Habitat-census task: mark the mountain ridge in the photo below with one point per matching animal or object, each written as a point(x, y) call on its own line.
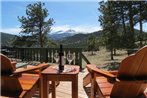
point(6, 38)
point(78, 40)
point(58, 35)
point(68, 39)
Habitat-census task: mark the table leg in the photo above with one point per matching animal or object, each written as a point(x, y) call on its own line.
point(44, 86)
point(75, 87)
point(53, 89)
point(92, 89)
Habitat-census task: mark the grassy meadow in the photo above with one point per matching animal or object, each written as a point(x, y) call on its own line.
point(102, 57)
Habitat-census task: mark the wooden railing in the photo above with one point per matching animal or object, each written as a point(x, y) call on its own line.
point(131, 51)
point(45, 54)
point(85, 59)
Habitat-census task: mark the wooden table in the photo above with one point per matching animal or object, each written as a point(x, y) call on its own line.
point(52, 74)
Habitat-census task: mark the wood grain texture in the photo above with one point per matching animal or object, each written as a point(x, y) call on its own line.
point(130, 80)
point(52, 74)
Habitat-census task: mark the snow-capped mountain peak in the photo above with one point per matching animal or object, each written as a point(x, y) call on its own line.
point(62, 34)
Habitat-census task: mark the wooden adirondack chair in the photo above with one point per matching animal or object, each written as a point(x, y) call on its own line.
point(15, 83)
point(130, 81)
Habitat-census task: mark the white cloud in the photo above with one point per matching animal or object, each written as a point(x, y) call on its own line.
point(14, 31)
point(80, 28)
point(87, 28)
point(61, 27)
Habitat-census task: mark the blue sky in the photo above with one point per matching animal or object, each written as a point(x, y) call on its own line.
point(80, 15)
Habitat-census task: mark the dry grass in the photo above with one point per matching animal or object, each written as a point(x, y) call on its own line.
point(102, 57)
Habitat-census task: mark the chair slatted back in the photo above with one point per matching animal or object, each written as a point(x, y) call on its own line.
point(6, 67)
point(128, 89)
point(134, 66)
point(10, 85)
point(142, 70)
point(134, 69)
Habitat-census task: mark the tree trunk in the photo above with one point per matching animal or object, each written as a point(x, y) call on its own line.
point(114, 50)
point(41, 41)
point(40, 36)
point(112, 54)
point(124, 38)
point(140, 22)
point(123, 19)
point(92, 53)
point(131, 37)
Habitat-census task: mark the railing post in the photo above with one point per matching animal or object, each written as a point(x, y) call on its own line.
point(41, 54)
point(80, 58)
point(46, 55)
point(85, 59)
point(49, 52)
point(21, 54)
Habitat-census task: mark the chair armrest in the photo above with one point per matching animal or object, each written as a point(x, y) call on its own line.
point(106, 74)
point(23, 94)
point(113, 72)
point(13, 63)
point(86, 80)
point(40, 67)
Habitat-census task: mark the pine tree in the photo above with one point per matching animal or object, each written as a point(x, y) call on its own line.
point(92, 44)
point(108, 21)
point(141, 7)
point(34, 25)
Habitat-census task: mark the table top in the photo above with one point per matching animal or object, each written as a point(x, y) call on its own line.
point(68, 69)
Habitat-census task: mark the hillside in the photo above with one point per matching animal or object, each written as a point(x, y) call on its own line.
point(78, 40)
point(6, 39)
point(69, 38)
